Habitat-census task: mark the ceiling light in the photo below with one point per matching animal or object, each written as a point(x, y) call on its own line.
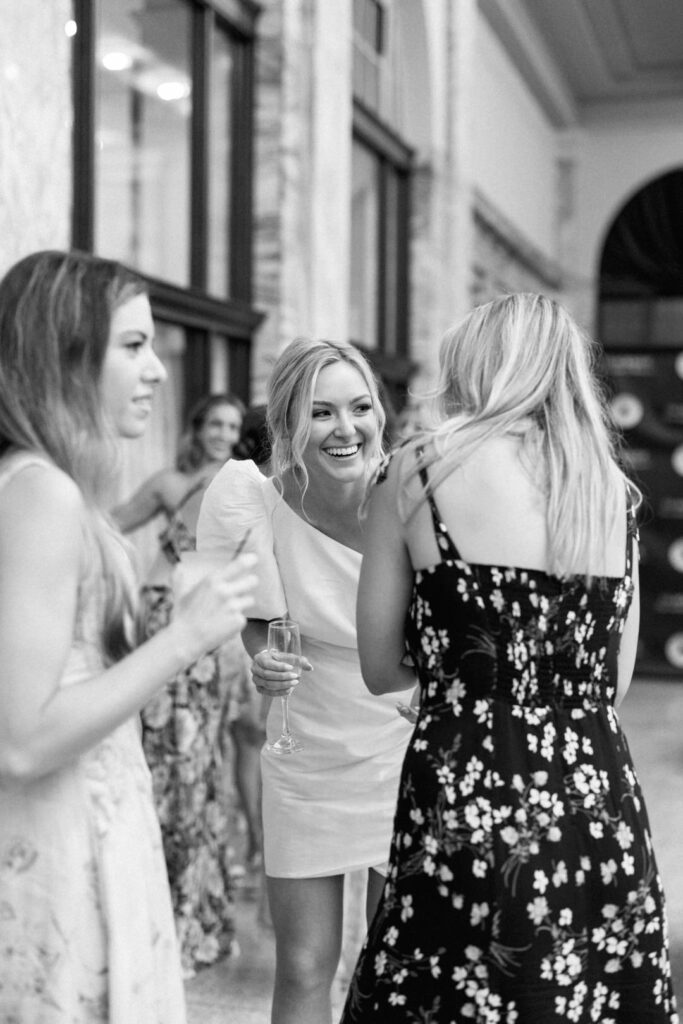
point(117, 61)
point(173, 91)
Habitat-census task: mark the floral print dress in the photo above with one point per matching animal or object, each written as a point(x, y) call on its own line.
point(523, 885)
point(86, 926)
point(184, 733)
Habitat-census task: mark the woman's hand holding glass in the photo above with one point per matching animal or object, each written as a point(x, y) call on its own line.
point(277, 670)
point(273, 675)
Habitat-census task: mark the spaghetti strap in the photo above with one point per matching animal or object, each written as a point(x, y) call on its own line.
point(176, 537)
point(445, 543)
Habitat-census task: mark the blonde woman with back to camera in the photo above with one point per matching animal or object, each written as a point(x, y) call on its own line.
point(502, 546)
point(327, 808)
point(86, 927)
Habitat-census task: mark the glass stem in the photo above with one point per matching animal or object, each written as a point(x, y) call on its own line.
point(285, 716)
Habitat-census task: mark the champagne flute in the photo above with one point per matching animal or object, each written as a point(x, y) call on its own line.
point(284, 639)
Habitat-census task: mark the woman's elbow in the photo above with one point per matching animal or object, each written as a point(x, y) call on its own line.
point(375, 688)
point(16, 765)
point(377, 681)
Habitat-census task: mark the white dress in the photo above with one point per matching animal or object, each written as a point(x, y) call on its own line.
point(329, 808)
point(86, 926)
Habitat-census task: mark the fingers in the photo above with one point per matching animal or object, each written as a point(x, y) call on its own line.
point(239, 602)
point(240, 584)
point(235, 623)
point(271, 665)
point(273, 691)
point(410, 713)
point(273, 675)
point(238, 566)
point(234, 584)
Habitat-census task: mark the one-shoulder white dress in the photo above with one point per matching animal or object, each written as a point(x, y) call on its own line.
point(329, 808)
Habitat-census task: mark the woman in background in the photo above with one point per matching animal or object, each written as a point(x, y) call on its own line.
point(502, 546)
point(86, 924)
point(185, 727)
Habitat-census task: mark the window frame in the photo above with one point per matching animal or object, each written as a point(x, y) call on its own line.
point(394, 157)
point(192, 307)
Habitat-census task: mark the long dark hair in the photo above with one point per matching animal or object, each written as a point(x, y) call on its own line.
point(55, 321)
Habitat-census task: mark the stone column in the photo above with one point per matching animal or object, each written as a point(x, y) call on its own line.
point(303, 172)
point(442, 199)
point(328, 205)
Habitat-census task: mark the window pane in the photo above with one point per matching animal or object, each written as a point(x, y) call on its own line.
point(364, 246)
point(220, 165)
point(142, 115)
point(230, 365)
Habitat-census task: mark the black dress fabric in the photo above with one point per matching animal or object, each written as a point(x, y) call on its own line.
point(522, 887)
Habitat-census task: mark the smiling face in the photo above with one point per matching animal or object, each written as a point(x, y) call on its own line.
point(131, 369)
point(344, 428)
point(220, 432)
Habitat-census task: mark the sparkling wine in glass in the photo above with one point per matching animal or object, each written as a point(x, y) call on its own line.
point(284, 639)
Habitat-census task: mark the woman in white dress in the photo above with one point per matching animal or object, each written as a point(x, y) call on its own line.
point(328, 808)
point(86, 927)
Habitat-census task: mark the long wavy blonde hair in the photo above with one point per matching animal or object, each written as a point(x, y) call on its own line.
point(521, 364)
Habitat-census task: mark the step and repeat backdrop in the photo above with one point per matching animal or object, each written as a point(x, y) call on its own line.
point(646, 389)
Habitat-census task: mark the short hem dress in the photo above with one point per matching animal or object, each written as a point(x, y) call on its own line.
point(328, 809)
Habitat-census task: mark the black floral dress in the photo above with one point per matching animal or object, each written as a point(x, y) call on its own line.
point(522, 884)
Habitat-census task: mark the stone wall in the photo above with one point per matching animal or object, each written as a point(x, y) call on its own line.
point(35, 128)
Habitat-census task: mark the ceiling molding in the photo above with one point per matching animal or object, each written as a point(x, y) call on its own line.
point(613, 51)
point(520, 37)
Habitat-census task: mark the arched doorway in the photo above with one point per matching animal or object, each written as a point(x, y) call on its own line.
point(641, 329)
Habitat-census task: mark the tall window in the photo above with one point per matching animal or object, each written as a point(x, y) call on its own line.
point(380, 191)
point(369, 45)
point(162, 154)
point(379, 223)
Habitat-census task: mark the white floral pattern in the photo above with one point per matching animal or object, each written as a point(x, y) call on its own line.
point(86, 925)
point(522, 884)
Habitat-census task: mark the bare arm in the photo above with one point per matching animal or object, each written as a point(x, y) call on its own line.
point(629, 638)
point(384, 593)
point(42, 725)
point(149, 499)
point(255, 636)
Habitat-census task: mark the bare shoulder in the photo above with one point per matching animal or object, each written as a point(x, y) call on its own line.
point(41, 509)
point(41, 487)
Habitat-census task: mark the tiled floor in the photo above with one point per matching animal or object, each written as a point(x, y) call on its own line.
point(238, 990)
